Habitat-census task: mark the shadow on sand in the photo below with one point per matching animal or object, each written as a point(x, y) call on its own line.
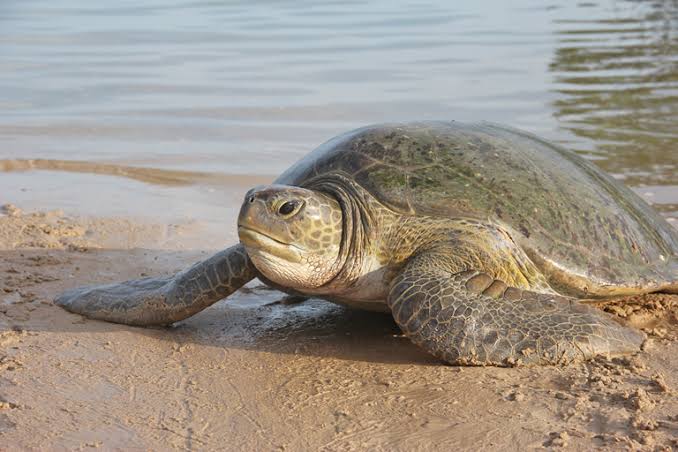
point(252, 319)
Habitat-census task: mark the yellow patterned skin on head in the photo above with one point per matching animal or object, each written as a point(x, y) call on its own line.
point(293, 235)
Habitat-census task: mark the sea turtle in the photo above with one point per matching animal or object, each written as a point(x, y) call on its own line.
point(480, 239)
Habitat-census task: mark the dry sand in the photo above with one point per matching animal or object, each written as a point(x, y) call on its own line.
point(257, 373)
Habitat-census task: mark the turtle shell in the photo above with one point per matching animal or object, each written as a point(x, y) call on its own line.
point(564, 211)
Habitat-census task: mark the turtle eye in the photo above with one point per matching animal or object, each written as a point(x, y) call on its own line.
point(288, 207)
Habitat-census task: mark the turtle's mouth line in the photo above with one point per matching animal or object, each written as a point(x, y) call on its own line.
point(265, 243)
point(251, 232)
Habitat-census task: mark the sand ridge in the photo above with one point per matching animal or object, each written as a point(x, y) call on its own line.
point(255, 373)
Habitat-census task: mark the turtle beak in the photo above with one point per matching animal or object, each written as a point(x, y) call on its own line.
point(254, 239)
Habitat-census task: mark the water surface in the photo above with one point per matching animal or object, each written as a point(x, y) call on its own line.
point(229, 93)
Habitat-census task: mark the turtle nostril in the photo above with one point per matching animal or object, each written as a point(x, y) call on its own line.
point(251, 199)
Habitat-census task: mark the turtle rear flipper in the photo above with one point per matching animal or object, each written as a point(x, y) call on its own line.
point(162, 301)
point(467, 317)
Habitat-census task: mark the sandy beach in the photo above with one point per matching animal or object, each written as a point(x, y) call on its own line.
point(257, 373)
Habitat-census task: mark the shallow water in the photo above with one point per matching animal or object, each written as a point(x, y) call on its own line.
point(231, 93)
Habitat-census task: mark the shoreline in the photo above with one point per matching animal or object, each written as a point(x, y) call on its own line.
point(146, 194)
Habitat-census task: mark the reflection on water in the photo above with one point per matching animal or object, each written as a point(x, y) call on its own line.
point(616, 75)
point(200, 87)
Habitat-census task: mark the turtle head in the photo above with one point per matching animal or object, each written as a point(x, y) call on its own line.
point(293, 235)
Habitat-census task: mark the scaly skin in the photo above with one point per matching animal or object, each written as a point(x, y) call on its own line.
point(465, 292)
point(162, 301)
point(466, 316)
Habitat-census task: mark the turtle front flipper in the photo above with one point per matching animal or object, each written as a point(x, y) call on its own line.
point(162, 301)
point(466, 317)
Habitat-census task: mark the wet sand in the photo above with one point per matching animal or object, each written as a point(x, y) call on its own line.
point(256, 373)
